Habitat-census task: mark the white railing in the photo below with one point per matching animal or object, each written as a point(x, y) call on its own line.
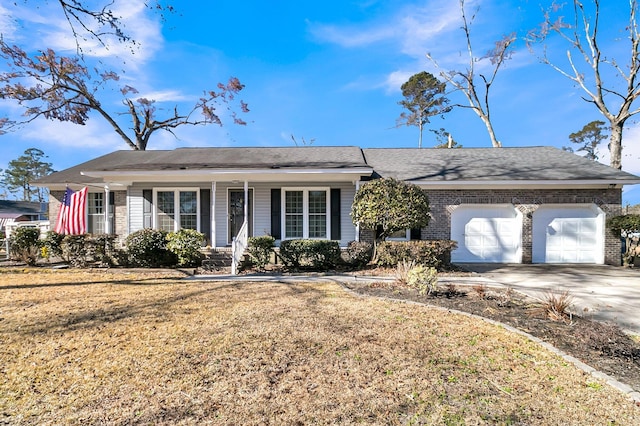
point(238, 246)
point(43, 225)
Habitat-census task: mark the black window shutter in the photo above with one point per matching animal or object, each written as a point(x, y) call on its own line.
point(205, 213)
point(111, 209)
point(335, 214)
point(147, 209)
point(276, 198)
point(416, 234)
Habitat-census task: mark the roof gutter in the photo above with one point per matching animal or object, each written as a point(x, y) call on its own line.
point(511, 184)
point(222, 172)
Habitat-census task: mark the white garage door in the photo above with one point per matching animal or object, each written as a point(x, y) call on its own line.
point(491, 233)
point(568, 234)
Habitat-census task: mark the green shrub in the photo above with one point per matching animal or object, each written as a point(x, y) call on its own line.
point(357, 254)
point(186, 245)
point(77, 250)
point(435, 253)
point(423, 278)
point(104, 249)
point(24, 245)
point(148, 248)
point(52, 242)
point(260, 249)
point(319, 255)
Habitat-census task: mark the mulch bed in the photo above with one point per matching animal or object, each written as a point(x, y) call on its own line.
point(603, 346)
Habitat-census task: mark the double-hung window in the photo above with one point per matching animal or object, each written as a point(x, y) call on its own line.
point(95, 212)
point(306, 213)
point(177, 209)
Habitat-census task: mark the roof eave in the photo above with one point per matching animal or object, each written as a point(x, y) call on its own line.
point(525, 184)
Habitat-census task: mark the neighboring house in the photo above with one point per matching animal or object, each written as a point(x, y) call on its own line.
point(21, 211)
point(507, 205)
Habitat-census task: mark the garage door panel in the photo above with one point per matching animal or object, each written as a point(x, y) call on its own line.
point(568, 234)
point(489, 233)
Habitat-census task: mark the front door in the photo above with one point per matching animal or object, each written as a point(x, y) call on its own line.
point(236, 212)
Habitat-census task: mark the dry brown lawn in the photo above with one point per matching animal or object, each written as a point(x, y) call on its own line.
point(82, 347)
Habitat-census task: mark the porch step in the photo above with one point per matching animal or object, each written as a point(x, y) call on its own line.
point(216, 260)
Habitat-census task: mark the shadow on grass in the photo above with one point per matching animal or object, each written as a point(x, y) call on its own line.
point(132, 281)
point(162, 307)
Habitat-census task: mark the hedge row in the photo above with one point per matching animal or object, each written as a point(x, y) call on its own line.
point(435, 253)
point(145, 248)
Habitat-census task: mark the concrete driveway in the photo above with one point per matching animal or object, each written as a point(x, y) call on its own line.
point(605, 293)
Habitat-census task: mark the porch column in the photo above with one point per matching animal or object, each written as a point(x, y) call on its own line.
point(357, 224)
point(107, 216)
point(213, 214)
point(246, 202)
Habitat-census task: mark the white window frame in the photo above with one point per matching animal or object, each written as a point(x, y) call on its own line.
point(105, 206)
point(176, 203)
point(407, 236)
point(305, 211)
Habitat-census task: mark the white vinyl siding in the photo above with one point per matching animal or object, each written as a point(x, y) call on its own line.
point(262, 207)
point(135, 203)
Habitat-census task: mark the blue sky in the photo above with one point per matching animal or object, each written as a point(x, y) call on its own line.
point(324, 71)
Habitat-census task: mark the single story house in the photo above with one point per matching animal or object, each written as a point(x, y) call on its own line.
point(506, 205)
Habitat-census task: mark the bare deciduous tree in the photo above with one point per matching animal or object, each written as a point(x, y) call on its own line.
point(476, 86)
point(99, 20)
point(615, 97)
point(64, 89)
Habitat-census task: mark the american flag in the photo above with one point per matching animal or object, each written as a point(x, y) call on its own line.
point(72, 217)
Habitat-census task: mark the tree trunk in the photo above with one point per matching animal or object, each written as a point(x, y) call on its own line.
point(615, 145)
point(487, 122)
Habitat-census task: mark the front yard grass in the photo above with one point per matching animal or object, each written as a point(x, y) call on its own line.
point(101, 347)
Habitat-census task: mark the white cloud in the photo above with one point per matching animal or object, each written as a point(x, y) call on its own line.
point(46, 23)
point(163, 96)
point(94, 134)
point(412, 28)
point(396, 79)
point(7, 23)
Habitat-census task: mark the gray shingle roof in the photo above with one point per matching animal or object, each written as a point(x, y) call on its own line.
point(422, 165)
point(214, 158)
point(488, 164)
point(24, 207)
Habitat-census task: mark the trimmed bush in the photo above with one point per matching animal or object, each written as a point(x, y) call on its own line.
point(357, 254)
point(148, 248)
point(319, 255)
point(24, 245)
point(435, 253)
point(186, 245)
point(53, 244)
point(104, 249)
point(260, 249)
point(77, 250)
